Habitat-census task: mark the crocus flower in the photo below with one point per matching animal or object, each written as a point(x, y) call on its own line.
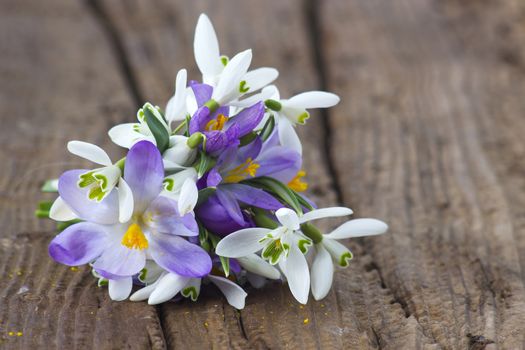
point(222, 213)
point(329, 252)
point(220, 129)
point(293, 111)
point(285, 245)
point(119, 251)
point(213, 66)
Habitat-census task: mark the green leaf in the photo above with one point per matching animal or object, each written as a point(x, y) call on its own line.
point(203, 238)
point(204, 194)
point(225, 262)
point(158, 129)
point(205, 164)
point(248, 138)
point(50, 186)
point(303, 202)
point(277, 188)
point(268, 128)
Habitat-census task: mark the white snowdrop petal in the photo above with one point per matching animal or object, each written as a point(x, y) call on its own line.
point(175, 109)
point(234, 294)
point(189, 194)
point(228, 87)
point(325, 213)
point(258, 78)
point(314, 99)
point(297, 274)
point(206, 47)
point(322, 272)
point(89, 151)
point(60, 211)
point(125, 201)
point(341, 255)
point(358, 228)
point(255, 264)
point(167, 288)
point(241, 243)
point(145, 292)
point(124, 135)
point(120, 289)
point(287, 135)
point(288, 218)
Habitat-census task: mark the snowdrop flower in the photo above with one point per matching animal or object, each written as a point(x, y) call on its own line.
point(217, 71)
point(293, 111)
point(154, 230)
point(179, 154)
point(170, 284)
point(329, 252)
point(98, 183)
point(285, 245)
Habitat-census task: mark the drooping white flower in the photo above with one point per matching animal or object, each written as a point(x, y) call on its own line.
point(176, 108)
point(100, 182)
point(170, 284)
point(285, 245)
point(329, 252)
point(293, 111)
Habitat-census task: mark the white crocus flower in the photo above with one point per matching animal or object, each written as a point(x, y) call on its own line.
point(329, 252)
point(293, 111)
point(285, 245)
point(100, 181)
point(182, 187)
point(213, 66)
point(170, 284)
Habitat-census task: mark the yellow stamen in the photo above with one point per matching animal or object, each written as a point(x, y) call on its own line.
point(297, 184)
point(217, 123)
point(241, 172)
point(134, 238)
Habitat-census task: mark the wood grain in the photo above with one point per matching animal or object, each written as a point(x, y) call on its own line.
point(427, 138)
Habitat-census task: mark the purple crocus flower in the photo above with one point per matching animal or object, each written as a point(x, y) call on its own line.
point(119, 251)
point(220, 129)
point(222, 213)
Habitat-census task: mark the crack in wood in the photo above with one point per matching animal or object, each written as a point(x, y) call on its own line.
point(119, 52)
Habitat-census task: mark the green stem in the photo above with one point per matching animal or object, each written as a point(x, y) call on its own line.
point(181, 125)
point(212, 105)
point(262, 220)
point(312, 232)
point(120, 163)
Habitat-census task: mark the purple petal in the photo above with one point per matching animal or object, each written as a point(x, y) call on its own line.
point(78, 244)
point(179, 256)
point(249, 118)
point(230, 204)
point(104, 212)
point(202, 92)
point(214, 178)
point(165, 218)
point(252, 196)
point(215, 141)
point(199, 119)
point(144, 173)
point(217, 220)
point(280, 163)
point(118, 260)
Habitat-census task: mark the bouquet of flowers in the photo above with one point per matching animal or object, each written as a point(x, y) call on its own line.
point(210, 191)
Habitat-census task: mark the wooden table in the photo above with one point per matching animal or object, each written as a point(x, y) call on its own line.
point(429, 136)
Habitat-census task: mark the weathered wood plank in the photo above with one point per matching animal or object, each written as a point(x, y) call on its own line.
point(433, 130)
point(61, 80)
